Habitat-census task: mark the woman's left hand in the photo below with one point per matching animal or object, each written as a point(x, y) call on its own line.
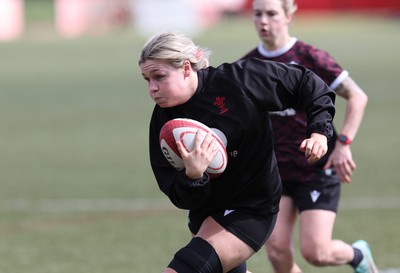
point(342, 160)
point(315, 147)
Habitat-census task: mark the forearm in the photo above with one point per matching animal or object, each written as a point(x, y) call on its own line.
point(356, 104)
point(353, 117)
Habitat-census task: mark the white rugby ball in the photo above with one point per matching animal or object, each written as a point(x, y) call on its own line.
point(184, 130)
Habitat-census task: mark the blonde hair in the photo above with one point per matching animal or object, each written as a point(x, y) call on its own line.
point(174, 49)
point(289, 6)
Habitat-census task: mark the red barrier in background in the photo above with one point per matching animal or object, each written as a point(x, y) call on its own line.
point(348, 4)
point(335, 5)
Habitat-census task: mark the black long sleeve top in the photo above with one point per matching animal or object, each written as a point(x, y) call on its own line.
point(235, 99)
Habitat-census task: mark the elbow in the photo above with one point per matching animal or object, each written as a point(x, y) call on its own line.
point(359, 98)
point(188, 203)
point(362, 100)
point(365, 99)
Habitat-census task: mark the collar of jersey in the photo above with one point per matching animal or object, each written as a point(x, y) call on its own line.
point(279, 52)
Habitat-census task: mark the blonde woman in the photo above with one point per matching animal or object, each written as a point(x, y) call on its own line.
point(309, 191)
point(231, 216)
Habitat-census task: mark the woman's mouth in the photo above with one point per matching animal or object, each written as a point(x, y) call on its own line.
point(263, 32)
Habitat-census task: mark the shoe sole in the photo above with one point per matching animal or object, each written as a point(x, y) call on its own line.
point(372, 263)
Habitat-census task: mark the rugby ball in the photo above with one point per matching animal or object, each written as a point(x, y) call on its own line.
point(184, 130)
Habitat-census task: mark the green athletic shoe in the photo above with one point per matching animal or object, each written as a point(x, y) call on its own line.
point(367, 264)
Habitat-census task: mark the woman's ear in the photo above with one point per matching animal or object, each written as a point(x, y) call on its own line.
point(187, 68)
point(289, 18)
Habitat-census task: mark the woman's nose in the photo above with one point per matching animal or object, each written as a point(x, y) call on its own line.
point(152, 87)
point(263, 19)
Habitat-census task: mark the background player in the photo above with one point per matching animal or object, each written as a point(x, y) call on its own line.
point(310, 190)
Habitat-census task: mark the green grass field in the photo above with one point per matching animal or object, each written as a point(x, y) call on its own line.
point(76, 190)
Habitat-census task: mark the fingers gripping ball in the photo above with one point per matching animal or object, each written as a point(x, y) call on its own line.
point(185, 130)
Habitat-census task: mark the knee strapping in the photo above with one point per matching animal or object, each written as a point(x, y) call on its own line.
point(197, 257)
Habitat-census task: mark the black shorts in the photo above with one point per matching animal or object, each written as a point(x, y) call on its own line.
point(322, 193)
point(252, 229)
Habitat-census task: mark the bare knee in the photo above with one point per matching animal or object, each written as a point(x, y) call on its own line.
point(316, 256)
point(278, 252)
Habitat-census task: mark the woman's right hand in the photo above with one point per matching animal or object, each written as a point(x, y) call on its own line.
point(197, 160)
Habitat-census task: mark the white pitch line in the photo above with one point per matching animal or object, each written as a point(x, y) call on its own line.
point(84, 205)
point(143, 204)
point(375, 202)
point(390, 270)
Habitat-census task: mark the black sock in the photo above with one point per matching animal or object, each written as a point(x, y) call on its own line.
point(358, 256)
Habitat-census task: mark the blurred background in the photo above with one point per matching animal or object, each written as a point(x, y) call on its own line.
point(73, 18)
point(76, 190)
